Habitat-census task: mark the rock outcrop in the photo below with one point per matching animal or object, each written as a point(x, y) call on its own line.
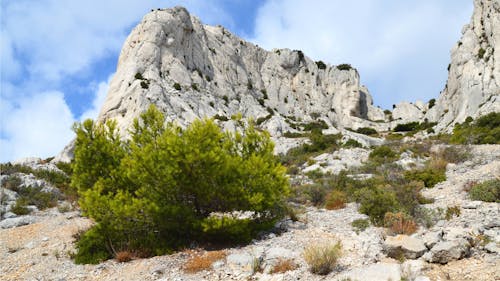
point(473, 87)
point(190, 70)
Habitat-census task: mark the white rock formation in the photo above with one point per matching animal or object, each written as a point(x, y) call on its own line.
point(473, 87)
point(190, 70)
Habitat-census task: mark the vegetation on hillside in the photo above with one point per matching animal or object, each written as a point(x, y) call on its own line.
point(168, 187)
point(484, 130)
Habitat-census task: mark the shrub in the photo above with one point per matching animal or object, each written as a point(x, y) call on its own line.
point(383, 154)
point(375, 202)
point(92, 246)
point(198, 263)
point(226, 99)
point(344, 66)
point(194, 86)
point(451, 212)
point(455, 154)
point(33, 195)
point(432, 102)
point(138, 76)
point(177, 86)
point(367, 131)
point(321, 64)
point(488, 191)
point(12, 182)
point(144, 84)
point(174, 186)
point(432, 174)
point(123, 256)
point(352, 143)
point(360, 225)
point(480, 53)
point(220, 117)
point(283, 265)
point(485, 130)
point(336, 199)
point(400, 223)
point(316, 125)
point(322, 259)
point(20, 207)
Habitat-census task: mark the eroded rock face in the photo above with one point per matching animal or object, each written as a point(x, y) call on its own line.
point(190, 70)
point(473, 87)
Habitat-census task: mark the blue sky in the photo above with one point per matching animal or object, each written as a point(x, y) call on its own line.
point(57, 57)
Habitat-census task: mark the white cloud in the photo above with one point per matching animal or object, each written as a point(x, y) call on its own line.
point(401, 48)
point(39, 126)
point(99, 97)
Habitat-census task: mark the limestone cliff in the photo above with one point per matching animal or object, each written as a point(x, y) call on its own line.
point(190, 70)
point(473, 87)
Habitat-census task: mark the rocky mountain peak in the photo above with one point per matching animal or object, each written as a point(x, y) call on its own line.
point(190, 70)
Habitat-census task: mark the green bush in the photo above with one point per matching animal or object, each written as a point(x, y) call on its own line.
point(20, 208)
point(92, 247)
point(375, 202)
point(159, 190)
point(177, 86)
point(485, 130)
point(432, 174)
point(352, 143)
point(33, 195)
point(344, 66)
point(488, 191)
point(360, 225)
point(383, 154)
point(321, 64)
point(432, 102)
point(367, 131)
point(316, 125)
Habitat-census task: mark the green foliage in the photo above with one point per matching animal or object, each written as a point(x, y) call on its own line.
point(383, 154)
point(321, 64)
point(352, 143)
point(319, 143)
point(316, 125)
point(144, 84)
point(138, 76)
point(367, 131)
point(485, 130)
point(33, 195)
point(164, 187)
point(488, 191)
point(344, 66)
point(375, 202)
point(360, 225)
point(226, 99)
point(92, 247)
point(194, 86)
point(452, 212)
point(432, 102)
point(430, 176)
point(414, 126)
point(480, 53)
point(20, 208)
point(177, 86)
point(220, 117)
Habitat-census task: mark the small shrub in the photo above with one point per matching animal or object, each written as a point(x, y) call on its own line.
point(203, 262)
point(316, 194)
point(485, 130)
point(321, 64)
point(428, 217)
point(177, 86)
point(123, 256)
point(20, 208)
point(375, 202)
point(91, 247)
point(12, 182)
point(360, 225)
point(352, 143)
point(383, 154)
point(211, 104)
point(220, 117)
point(432, 102)
point(407, 127)
point(226, 99)
point(451, 212)
point(344, 66)
point(316, 125)
point(194, 86)
point(488, 191)
point(480, 53)
point(288, 134)
point(400, 223)
point(367, 131)
point(144, 84)
point(283, 265)
point(335, 200)
point(138, 76)
point(455, 154)
point(322, 259)
point(432, 174)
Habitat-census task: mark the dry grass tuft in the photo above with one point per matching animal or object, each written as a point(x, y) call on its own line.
point(284, 265)
point(400, 223)
point(123, 256)
point(202, 262)
point(322, 259)
point(336, 200)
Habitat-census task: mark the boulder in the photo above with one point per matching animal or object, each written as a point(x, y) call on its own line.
point(373, 272)
point(15, 222)
point(446, 251)
point(409, 247)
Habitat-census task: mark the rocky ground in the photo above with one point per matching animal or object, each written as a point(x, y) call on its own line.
point(38, 246)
